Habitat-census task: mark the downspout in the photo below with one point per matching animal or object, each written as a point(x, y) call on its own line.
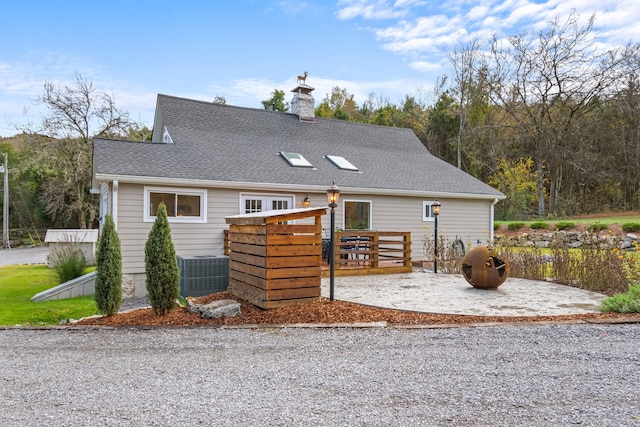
point(491, 221)
point(114, 203)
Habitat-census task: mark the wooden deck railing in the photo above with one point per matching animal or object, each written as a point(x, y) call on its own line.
point(369, 252)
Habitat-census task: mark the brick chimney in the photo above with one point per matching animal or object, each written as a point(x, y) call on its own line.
point(303, 104)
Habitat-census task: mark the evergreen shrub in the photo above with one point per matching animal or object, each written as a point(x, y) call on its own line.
point(161, 265)
point(630, 227)
point(108, 294)
point(515, 226)
point(538, 225)
point(565, 225)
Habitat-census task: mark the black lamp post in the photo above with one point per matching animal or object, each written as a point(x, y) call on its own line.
point(333, 194)
point(435, 209)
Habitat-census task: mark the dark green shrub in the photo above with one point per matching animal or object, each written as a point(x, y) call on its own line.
point(161, 265)
point(565, 225)
point(496, 226)
point(68, 261)
point(515, 226)
point(108, 294)
point(538, 225)
point(630, 227)
point(597, 226)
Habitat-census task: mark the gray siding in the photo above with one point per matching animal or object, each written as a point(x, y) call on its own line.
point(468, 220)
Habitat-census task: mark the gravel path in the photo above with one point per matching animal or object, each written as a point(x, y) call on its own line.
point(534, 375)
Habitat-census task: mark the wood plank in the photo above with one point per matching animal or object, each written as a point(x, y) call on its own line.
point(293, 228)
point(248, 293)
point(288, 273)
point(288, 302)
point(260, 283)
point(295, 215)
point(258, 261)
point(246, 268)
point(244, 248)
point(253, 239)
point(284, 294)
point(292, 250)
point(293, 239)
point(298, 261)
point(297, 282)
point(247, 229)
point(368, 271)
point(241, 276)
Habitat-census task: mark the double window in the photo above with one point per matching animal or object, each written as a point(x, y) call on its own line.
point(182, 205)
point(250, 203)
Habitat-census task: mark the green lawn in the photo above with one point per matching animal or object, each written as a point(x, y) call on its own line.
point(622, 219)
point(18, 283)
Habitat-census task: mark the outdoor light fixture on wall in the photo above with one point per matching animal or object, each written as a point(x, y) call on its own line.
point(333, 194)
point(306, 202)
point(435, 209)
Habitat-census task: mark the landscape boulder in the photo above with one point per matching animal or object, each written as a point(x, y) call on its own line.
point(215, 309)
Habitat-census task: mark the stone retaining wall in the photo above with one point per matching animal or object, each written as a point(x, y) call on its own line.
point(573, 239)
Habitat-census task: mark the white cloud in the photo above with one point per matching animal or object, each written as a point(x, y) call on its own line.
point(379, 9)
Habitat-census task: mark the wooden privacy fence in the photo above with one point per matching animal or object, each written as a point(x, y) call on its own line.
point(273, 263)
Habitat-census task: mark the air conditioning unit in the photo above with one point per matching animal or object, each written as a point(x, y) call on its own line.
point(203, 274)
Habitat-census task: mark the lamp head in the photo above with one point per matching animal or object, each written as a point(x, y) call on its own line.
point(333, 194)
point(436, 208)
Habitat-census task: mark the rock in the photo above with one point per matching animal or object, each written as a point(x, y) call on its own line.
point(192, 306)
point(215, 309)
point(575, 245)
point(222, 308)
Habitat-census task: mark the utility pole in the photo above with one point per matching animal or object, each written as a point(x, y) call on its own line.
point(5, 203)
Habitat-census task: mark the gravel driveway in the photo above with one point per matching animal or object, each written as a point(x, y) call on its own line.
point(534, 375)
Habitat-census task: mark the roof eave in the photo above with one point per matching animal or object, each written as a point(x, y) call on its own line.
point(269, 186)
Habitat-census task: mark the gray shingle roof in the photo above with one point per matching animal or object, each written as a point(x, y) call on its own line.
point(225, 143)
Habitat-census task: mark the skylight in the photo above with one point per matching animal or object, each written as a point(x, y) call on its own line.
point(296, 160)
point(342, 163)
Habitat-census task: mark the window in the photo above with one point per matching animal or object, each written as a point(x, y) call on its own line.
point(296, 160)
point(182, 205)
point(342, 163)
point(166, 138)
point(427, 210)
point(357, 215)
point(250, 203)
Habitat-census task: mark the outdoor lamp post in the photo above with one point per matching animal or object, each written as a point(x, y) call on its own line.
point(333, 194)
point(435, 209)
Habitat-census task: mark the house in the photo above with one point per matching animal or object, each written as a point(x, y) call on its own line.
point(208, 161)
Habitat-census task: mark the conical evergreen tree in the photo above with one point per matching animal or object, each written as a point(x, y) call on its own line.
point(161, 265)
point(108, 293)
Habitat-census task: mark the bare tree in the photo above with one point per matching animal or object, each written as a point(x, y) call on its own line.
point(464, 59)
point(77, 113)
point(546, 84)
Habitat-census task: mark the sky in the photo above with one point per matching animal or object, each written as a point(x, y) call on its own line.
point(243, 50)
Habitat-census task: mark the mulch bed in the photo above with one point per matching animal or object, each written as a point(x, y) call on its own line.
point(324, 311)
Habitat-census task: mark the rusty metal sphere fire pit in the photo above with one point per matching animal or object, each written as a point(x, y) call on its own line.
point(482, 268)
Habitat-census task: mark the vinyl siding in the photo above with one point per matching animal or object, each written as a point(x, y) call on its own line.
point(468, 220)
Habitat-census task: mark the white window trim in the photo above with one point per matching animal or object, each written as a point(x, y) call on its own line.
point(427, 215)
point(202, 219)
point(344, 201)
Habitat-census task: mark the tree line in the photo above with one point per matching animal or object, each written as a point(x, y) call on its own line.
point(551, 119)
